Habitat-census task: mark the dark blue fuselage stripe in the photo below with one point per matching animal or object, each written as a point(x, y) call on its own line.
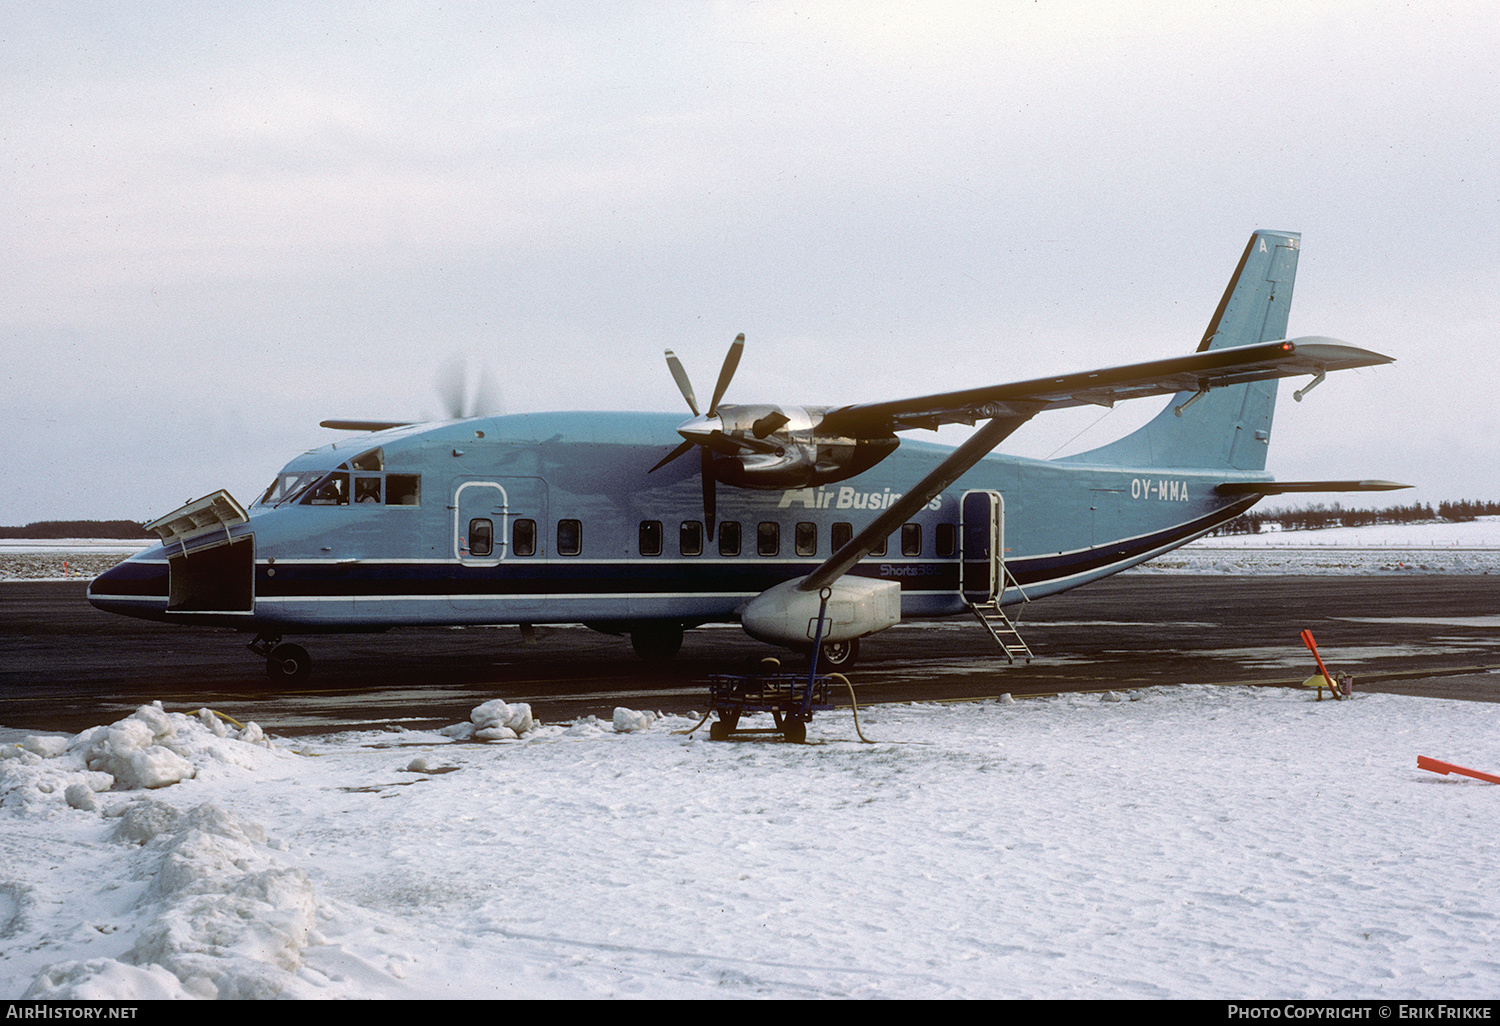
point(562, 577)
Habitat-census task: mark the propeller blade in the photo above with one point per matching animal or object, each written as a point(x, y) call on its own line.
point(487, 399)
point(463, 398)
point(710, 491)
point(451, 389)
point(731, 362)
point(669, 457)
point(683, 385)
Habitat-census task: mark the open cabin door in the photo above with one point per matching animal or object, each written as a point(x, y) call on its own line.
point(981, 532)
point(212, 569)
point(981, 545)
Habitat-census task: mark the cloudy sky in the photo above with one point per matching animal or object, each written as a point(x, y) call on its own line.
point(223, 222)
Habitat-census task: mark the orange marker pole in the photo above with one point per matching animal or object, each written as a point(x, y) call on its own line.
point(1438, 766)
point(1312, 646)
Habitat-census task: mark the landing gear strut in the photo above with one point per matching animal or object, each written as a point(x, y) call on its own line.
point(283, 662)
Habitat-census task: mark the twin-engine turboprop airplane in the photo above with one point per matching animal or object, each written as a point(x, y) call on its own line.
point(592, 517)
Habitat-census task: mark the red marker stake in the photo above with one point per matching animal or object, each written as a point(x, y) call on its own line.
point(1438, 766)
point(1312, 646)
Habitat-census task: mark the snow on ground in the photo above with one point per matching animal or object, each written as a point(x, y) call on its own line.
point(1472, 547)
point(1174, 842)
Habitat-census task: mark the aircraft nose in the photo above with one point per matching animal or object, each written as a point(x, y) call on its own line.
point(125, 587)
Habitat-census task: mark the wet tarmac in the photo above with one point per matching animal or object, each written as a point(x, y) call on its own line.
point(65, 666)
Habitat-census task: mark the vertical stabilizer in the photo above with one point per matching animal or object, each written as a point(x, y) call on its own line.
point(1228, 428)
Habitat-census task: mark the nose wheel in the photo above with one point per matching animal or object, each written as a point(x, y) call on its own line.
point(284, 662)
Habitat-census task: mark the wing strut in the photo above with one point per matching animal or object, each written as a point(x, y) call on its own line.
point(902, 510)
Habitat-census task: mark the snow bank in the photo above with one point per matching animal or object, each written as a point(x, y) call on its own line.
point(216, 914)
point(150, 748)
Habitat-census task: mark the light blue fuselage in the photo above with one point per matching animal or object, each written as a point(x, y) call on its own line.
point(370, 565)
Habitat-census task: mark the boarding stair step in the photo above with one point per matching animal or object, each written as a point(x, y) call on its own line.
point(1002, 630)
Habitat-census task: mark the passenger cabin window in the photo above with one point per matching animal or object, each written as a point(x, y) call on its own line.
point(911, 539)
point(690, 538)
point(569, 537)
point(768, 538)
point(523, 538)
point(843, 532)
point(878, 549)
point(729, 538)
point(481, 537)
point(649, 537)
point(807, 539)
point(947, 539)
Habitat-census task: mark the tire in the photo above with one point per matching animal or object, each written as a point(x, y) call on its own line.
point(838, 655)
point(288, 662)
point(794, 731)
point(657, 644)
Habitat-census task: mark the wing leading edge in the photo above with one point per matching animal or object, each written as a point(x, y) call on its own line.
point(1200, 372)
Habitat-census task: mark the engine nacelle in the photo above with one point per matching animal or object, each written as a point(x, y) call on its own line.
point(774, 447)
point(799, 464)
point(856, 606)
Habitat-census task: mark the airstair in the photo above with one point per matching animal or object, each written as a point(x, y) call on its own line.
point(984, 575)
point(1002, 630)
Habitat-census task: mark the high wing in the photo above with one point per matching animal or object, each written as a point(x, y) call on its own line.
point(364, 425)
point(1214, 368)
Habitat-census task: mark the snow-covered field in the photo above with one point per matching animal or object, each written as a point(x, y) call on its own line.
point(1433, 548)
point(1174, 842)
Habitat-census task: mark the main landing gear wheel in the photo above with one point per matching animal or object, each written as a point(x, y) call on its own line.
point(288, 662)
point(656, 644)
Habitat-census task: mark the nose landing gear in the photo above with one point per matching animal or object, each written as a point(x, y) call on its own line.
point(285, 662)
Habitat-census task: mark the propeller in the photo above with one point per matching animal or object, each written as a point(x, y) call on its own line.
point(700, 433)
point(460, 400)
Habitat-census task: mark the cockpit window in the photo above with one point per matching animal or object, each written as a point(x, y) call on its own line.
point(366, 488)
point(341, 487)
point(333, 490)
point(403, 489)
point(288, 486)
point(372, 460)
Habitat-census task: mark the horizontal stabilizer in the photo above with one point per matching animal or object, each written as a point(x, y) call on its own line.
point(1283, 487)
point(363, 425)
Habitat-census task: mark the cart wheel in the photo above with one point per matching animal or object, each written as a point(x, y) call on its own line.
point(794, 730)
point(718, 731)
